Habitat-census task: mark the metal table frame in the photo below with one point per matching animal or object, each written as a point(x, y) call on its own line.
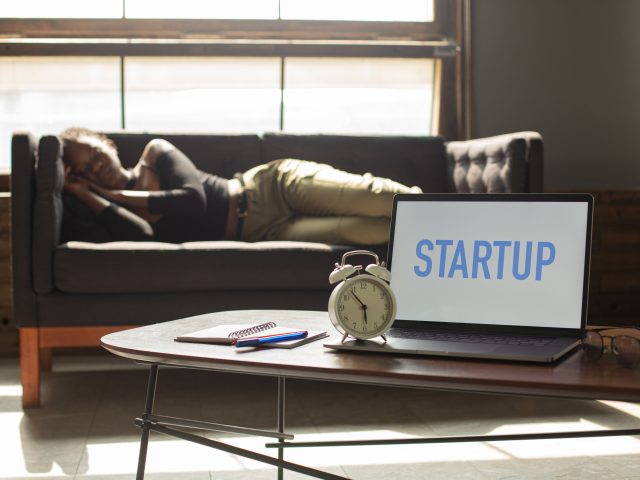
point(149, 421)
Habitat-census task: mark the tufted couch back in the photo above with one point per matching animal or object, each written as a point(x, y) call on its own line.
point(418, 161)
point(499, 164)
point(510, 163)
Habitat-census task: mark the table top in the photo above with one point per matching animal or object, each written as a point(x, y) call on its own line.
point(570, 377)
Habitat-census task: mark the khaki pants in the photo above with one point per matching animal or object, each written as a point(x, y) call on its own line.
point(307, 201)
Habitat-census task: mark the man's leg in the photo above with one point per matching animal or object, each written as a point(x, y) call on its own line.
point(347, 230)
point(266, 208)
point(311, 188)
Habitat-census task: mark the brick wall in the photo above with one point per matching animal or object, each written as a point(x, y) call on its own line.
point(615, 266)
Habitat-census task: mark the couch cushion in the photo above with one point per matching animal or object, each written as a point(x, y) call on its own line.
point(410, 160)
point(142, 267)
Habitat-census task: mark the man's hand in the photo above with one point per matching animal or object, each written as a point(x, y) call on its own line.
point(81, 188)
point(133, 200)
point(74, 184)
point(102, 191)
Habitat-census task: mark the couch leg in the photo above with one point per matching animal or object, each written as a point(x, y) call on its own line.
point(46, 359)
point(30, 366)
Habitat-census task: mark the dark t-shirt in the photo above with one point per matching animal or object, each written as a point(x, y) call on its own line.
point(193, 205)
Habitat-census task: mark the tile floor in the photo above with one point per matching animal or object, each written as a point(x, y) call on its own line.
point(85, 429)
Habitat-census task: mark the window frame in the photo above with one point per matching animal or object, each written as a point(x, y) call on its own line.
point(443, 40)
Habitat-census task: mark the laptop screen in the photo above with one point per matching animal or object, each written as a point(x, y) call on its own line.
point(519, 260)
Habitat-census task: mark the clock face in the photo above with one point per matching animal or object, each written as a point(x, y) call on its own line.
point(364, 306)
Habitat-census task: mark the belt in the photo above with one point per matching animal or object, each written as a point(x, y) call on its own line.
point(238, 204)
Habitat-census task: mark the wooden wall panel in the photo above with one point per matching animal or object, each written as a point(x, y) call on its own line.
point(8, 334)
point(5, 273)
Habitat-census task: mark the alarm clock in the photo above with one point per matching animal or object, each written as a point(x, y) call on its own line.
point(362, 304)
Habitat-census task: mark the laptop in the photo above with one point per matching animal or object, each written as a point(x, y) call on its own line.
point(497, 276)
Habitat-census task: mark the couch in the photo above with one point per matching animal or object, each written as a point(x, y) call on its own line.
point(69, 293)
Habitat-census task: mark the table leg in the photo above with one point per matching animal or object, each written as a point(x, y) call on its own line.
point(281, 411)
point(163, 424)
point(148, 410)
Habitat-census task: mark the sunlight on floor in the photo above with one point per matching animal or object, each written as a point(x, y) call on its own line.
point(162, 455)
point(173, 456)
point(563, 448)
point(176, 456)
point(10, 391)
point(98, 442)
point(625, 407)
point(163, 452)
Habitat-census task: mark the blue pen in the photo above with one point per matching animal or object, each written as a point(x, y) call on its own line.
point(254, 342)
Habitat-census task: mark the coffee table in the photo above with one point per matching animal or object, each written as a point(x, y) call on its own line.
point(571, 377)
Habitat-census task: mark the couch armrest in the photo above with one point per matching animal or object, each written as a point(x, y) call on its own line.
point(47, 211)
point(23, 158)
point(504, 163)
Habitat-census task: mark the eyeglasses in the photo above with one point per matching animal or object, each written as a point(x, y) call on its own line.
point(624, 343)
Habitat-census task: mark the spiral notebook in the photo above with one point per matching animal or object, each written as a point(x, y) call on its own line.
point(227, 334)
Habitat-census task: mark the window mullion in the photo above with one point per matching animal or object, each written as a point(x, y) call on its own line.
point(123, 121)
point(282, 86)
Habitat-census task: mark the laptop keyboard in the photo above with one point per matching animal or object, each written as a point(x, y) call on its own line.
point(469, 337)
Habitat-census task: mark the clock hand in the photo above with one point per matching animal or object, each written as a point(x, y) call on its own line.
point(353, 292)
point(364, 307)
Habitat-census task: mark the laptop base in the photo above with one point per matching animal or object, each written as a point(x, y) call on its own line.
point(547, 354)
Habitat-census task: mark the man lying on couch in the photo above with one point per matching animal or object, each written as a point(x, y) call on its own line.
point(164, 197)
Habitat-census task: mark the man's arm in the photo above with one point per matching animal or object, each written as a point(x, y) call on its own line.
point(119, 222)
point(183, 193)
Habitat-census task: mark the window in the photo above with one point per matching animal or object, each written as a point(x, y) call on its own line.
point(371, 10)
point(358, 10)
point(62, 9)
point(358, 96)
point(46, 95)
point(226, 95)
point(299, 66)
point(232, 9)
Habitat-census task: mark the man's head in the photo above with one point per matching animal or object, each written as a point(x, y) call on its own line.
point(91, 155)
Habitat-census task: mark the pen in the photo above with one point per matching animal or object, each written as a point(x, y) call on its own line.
point(253, 342)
